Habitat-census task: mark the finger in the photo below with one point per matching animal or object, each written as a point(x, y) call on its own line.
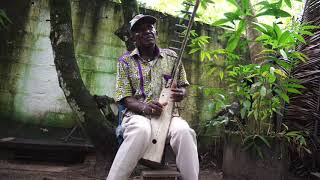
point(176, 90)
point(164, 104)
point(157, 104)
point(177, 94)
point(156, 108)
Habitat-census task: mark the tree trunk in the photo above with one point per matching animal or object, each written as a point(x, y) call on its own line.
point(98, 129)
point(251, 34)
point(130, 9)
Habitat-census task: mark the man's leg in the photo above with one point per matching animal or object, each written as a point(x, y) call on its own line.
point(137, 134)
point(184, 144)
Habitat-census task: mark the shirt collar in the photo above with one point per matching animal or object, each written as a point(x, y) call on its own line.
point(159, 52)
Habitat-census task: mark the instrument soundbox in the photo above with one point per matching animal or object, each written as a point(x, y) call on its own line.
point(160, 125)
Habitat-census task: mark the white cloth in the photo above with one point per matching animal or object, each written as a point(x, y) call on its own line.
point(137, 136)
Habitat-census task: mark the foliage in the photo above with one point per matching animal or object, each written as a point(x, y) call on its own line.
point(262, 90)
point(4, 19)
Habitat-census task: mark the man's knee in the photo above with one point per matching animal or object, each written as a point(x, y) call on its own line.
point(138, 125)
point(181, 127)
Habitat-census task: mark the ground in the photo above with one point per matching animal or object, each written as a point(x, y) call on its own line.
point(19, 170)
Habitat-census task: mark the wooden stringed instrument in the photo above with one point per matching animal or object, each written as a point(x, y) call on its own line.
point(160, 124)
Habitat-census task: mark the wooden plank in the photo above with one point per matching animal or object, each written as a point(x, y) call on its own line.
point(160, 174)
point(159, 129)
point(12, 142)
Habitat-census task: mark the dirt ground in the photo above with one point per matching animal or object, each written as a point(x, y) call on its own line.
point(45, 171)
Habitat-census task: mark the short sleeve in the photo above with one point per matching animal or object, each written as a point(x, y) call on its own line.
point(123, 87)
point(182, 78)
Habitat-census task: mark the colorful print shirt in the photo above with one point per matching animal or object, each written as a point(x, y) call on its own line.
point(144, 80)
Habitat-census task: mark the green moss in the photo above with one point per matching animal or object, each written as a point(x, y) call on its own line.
point(53, 119)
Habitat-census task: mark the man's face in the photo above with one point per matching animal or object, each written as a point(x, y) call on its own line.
point(145, 35)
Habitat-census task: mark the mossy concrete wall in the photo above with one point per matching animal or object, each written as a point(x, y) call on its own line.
point(29, 89)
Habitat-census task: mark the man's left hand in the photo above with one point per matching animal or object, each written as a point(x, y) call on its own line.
point(178, 94)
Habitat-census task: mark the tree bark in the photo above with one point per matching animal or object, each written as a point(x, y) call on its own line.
point(251, 34)
point(130, 9)
point(98, 129)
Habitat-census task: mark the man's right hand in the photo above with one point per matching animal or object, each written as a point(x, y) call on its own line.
point(154, 108)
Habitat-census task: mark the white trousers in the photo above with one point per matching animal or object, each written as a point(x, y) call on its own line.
point(137, 136)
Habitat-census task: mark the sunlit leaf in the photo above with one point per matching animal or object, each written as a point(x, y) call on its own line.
point(233, 43)
point(283, 54)
point(220, 21)
point(274, 12)
point(299, 38)
point(288, 2)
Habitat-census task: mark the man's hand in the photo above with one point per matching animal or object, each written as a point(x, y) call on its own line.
point(154, 108)
point(178, 94)
point(101, 101)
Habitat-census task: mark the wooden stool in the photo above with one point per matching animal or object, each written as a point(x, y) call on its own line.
point(167, 174)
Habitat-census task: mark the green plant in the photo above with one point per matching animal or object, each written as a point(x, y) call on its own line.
point(4, 20)
point(262, 90)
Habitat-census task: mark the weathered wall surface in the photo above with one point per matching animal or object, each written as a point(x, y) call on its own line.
point(29, 89)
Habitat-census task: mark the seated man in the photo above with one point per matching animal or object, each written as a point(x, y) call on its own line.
point(140, 78)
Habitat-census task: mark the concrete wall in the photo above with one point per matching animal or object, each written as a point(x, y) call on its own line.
point(29, 90)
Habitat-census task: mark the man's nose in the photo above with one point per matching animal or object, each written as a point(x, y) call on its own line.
point(148, 30)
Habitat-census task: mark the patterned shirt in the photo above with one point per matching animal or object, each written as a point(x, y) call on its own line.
point(144, 80)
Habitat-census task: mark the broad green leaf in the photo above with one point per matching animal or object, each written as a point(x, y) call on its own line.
point(221, 75)
point(268, 28)
point(299, 55)
point(295, 91)
point(245, 6)
point(232, 16)
point(220, 21)
point(256, 114)
point(4, 15)
point(264, 140)
point(284, 36)
point(234, 2)
point(307, 33)
point(233, 43)
point(307, 27)
point(202, 56)
point(283, 54)
point(241, 27)
point(277, 30)
point(281, 73)
point(263, 91)
point(243, 112)
point(260, 28)
point(299, 38)
point(263, 37)
point(274, 12)
point(288, 2)
point(299, 86)
point(247, 104)
point(284, 96)
point(248, 146)
point(283, 64)
point(194, 50)
point(271, 79)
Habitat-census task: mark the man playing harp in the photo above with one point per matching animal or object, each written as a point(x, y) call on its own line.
point(140, 77)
